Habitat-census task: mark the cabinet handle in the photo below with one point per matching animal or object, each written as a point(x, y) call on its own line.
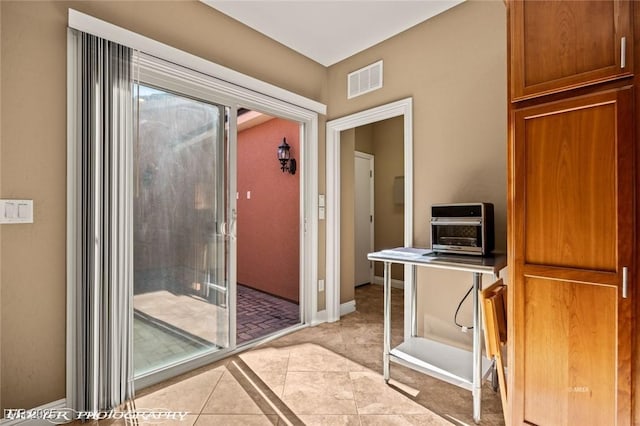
point(623, 52)
point(625, 282)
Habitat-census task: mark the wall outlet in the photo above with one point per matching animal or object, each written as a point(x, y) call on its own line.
point(320, 285)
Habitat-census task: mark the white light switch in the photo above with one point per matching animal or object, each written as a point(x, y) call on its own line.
point(24, 210)
point(321, 200)
point(10, 210)
point(321, 213)
point(16, 211)
point(248, 195)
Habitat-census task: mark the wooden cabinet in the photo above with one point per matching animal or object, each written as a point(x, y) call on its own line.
point(571, 211)
point(572, 235)
point(558, 45)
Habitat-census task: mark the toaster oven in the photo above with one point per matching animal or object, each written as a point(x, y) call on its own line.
point(465, 228)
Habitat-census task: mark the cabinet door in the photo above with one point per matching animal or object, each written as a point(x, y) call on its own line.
point(558, 45)
point(572, 235)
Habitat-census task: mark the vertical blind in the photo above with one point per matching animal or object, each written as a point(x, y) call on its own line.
point(102, 283)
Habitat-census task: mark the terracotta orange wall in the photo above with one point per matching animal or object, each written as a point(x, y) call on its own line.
point(269, 222)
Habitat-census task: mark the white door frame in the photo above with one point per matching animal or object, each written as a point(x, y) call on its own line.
point(403, 108)
point(371, 159)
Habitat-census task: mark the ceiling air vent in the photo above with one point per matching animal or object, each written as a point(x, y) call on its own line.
point(364, 80)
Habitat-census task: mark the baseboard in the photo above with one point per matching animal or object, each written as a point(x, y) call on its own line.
point(40, 411)
point(320, 317)
point(394, 283)
point(347, 307)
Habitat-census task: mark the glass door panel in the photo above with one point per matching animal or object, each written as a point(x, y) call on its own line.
point(181, 298)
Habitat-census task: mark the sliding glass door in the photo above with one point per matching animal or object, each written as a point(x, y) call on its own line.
point(181, 229)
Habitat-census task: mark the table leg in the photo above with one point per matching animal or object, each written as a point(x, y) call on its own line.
point(387, 321)
point(414, 301)
point(477, 348)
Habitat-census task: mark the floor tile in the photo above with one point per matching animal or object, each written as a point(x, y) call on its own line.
point(187, 394)
point(229, 397)
point(311, 357)
point(403, 420)
point(373, 396)
point(267, 359)
point(319, 393)
point(331, 420)
point(236, 420)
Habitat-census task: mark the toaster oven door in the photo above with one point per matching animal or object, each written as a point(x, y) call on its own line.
point(457, 235)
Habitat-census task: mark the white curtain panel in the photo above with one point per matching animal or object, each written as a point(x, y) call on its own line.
point(102, 282)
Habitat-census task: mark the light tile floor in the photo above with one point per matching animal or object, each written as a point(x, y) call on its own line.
point(324, 375)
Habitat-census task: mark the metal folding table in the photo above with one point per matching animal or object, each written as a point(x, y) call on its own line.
point(451, 364)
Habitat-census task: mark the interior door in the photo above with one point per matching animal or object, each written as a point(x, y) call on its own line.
point(183, 248)
point(363, 195)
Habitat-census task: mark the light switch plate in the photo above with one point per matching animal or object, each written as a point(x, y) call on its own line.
point(16, 211)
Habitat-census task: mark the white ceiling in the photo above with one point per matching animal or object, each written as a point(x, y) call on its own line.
point(330, 31)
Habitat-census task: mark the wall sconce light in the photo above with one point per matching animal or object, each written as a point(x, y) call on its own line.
point(287, 164)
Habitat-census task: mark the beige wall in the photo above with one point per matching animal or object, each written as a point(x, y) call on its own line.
point(454, 68)
point(364, 138)
point(33, 158)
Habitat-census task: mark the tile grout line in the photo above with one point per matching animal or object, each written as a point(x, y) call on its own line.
point(353, 391)
point(286, 373)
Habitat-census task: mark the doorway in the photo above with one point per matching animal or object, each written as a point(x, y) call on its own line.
point(402, 108)
point(268, 241)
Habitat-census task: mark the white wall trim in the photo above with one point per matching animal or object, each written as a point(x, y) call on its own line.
point(309, 220)
point(377, 280)
point(72, 179)
point(89, 24)
point(60, 404)
point(319, 317)
point(347, 307)
point(402, 107)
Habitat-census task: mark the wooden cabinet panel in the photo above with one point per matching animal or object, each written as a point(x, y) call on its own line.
point(570, 197)
point(570, 363)
point(571, 234)
point(558, 45)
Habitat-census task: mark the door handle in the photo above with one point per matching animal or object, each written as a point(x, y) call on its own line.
point(232, 228)
point(623, 52)
point(234, 224)
point(625, 282)
point(223, 228)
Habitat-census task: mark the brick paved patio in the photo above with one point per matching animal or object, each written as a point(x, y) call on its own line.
point(260, 314)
